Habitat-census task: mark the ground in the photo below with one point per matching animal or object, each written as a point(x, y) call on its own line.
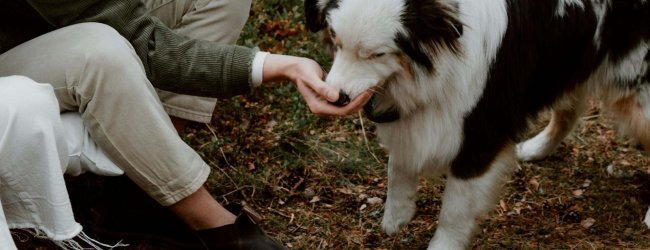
point(320, 182)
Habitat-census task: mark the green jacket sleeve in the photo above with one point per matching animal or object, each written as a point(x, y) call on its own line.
point(172, 62)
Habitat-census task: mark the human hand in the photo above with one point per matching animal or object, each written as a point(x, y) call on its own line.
point(308, 77)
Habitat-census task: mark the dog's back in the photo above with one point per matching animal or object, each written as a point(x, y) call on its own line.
point(618, 74)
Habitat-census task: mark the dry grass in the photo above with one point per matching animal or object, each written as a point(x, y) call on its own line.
point(316, 196)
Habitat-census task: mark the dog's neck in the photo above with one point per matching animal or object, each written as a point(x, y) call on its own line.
point(380, 116)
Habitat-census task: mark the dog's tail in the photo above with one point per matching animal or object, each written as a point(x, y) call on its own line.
point(632, 115)
point(629, 102)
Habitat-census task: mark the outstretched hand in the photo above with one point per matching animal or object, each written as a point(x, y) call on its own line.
point(308, 77)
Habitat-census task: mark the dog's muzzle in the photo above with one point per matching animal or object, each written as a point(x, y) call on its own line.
point(343, 100)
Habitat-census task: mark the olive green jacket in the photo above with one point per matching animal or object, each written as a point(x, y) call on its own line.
point(172, 62)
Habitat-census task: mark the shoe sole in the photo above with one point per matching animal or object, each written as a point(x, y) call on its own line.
point(157, 240)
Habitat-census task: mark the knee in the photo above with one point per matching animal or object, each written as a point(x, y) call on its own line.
point(26, 95)
point(26, 103)
point(102, 46)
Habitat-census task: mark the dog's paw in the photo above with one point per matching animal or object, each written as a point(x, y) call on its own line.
point(533, 149)
point(394, 219)
point(390, 225)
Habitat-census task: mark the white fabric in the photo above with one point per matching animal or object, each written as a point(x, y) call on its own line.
point(36, 147)
point(6, 242)
point(33, 151)
point(84, 155)
point(257, 76)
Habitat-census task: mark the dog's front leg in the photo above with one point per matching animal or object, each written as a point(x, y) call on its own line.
point(464, 201)
point(400, 203)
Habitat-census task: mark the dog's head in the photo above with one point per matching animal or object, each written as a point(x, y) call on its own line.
point(375, 41)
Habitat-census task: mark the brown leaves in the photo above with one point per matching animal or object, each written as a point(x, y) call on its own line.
point(534, 182)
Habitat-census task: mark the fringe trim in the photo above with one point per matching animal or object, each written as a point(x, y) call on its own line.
point(74, 243)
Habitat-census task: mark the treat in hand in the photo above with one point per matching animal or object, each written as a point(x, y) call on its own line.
point(343, 100)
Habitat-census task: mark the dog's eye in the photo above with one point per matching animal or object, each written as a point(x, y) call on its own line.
point(377, 55)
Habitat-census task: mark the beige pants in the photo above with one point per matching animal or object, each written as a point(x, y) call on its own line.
point(219, 21)
point(96, 72)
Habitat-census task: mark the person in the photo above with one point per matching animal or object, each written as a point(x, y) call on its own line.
point(104, 58)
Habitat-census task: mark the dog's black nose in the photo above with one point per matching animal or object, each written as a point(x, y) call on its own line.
point(343, 100)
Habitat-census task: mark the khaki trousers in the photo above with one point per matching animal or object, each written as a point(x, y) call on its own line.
point(219, 21)
point(95, 71)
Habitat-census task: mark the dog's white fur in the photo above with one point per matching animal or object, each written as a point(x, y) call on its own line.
point(433, 106)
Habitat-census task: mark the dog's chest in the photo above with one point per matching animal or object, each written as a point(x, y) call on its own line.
point(425, 140)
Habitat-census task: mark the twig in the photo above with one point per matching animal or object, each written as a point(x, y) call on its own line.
point(280, 213)
point(365, 138)
point(590, 117)
point(297, 184)
point(237, 190)
point(216, 139)
point(301, 227)
point(226, 174)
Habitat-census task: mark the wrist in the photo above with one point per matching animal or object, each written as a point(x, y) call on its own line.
point(279, 68)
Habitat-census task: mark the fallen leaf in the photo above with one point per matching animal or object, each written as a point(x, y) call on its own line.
point(375, 201)
point(565, 170)
point(535, 182)
point(578, 192)
point(503, 206)
point(314, 199)
point(345, 190)
point(587, 223)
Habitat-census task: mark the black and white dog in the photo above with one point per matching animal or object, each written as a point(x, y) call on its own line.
point(456, 82)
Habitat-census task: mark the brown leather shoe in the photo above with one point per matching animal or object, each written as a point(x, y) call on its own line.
point(244, 234)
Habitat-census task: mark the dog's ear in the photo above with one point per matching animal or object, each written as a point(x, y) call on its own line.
point(434, 24)
point(434, 20)
point(316, 13)
point(314, 16)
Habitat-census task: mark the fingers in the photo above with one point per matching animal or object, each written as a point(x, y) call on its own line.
point(327, 91)
point(308, 76)
point(321, 88)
